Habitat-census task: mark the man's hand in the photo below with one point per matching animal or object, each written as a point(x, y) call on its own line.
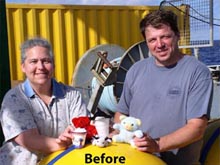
point(146, 144)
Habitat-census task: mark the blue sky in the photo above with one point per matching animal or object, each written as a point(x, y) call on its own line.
point(216, 6)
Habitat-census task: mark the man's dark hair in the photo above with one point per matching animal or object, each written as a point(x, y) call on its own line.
point(157, 19)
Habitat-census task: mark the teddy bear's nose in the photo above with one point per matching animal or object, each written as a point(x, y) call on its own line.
point(128, 127)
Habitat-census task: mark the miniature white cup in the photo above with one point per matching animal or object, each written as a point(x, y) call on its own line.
point(79, 137)
point(102, 126)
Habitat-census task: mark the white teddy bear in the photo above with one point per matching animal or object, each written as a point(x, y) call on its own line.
point(128, 128)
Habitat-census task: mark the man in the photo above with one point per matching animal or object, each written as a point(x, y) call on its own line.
point(35, 115)
point(170, 92)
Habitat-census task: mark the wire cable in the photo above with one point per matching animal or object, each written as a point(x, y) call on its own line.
point(171, 4)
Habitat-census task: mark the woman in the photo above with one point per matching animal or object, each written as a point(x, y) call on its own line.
point(36, 114)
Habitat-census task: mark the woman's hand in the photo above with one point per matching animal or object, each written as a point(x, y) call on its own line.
point(65, 139)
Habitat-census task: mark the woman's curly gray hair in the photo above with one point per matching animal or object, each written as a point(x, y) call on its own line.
point(37, 41)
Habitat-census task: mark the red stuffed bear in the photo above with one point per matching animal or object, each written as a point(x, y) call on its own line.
point(84, 122)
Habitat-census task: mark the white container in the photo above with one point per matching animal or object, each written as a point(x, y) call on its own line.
point(79, 137)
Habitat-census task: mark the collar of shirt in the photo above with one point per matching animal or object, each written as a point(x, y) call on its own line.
point(57, 91)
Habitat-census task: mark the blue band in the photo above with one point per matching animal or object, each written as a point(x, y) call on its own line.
point(61, 155)
point(209, 145)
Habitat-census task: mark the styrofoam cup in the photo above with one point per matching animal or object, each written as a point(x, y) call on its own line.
point(102, 126)
point(79, 137)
